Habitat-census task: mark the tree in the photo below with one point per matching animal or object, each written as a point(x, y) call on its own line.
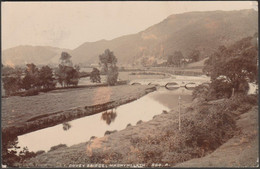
point(195, 55)
point(72, 76)
point(46, 78)
point(145, 61)
point(65, 59)
point(237, 71)
point(170, 60)
point(66, 74)
point(112, 75)
point(95, 76)
point(177, 57)
point(12, 84)
point(108, 62)
point(31, 79)
point(234, 67)
point(12, 79)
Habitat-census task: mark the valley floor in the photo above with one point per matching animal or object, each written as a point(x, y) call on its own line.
point(21, 115)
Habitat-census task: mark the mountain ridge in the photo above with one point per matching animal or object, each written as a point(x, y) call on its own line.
point(200, 30)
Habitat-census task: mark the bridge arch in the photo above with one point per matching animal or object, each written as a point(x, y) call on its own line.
point(172, 85)
point(136, 83)
point(190, 85)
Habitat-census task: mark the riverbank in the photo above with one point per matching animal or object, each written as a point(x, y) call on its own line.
point(58, 106)
point(159, 141)
point(239, 151)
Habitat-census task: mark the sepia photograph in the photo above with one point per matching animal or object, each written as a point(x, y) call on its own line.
point(129, 84)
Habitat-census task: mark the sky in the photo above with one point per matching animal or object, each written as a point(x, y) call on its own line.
point(69, 24)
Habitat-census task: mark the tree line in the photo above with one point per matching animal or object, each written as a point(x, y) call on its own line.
point(231, 69)
point(32, 79)
point(176, 59)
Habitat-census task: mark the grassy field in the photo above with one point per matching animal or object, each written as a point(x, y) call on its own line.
point(18, 111)
point(130, 76)
point(198, 64)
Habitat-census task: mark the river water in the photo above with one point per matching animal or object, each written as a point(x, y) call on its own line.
point(81, 130)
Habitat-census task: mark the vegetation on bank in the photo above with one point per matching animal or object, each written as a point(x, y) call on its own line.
point(205, 128)
point(231, 69)
point(177, 60)
point(211, 120)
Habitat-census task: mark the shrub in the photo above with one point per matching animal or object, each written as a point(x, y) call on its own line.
point(95, 76)
point(40, 152)
point(31, 92)
point(57, 147)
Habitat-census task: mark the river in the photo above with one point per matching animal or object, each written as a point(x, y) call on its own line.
point(81, 130)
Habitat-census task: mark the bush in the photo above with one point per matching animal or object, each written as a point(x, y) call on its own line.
point(201, 91)
point(95, 76)
point(31, 92)
point(112, 75)
point(57, 147)
point(206, 128)
point(40, 152)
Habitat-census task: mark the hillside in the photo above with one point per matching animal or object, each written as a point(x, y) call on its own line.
point(203, 31)
point(39, 55)
point(199, 64)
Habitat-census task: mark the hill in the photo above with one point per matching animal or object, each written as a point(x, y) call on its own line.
point(39, 55)
point(204, 31)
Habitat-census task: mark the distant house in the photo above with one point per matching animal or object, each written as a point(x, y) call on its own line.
point(186, 60)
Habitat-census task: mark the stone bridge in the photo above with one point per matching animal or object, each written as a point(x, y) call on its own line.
point(187, 82)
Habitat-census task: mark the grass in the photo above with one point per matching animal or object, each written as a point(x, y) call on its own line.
point(140, 75)
point(17, 111)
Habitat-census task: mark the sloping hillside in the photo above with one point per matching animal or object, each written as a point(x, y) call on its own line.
point(204, 31)
point(199, 64)
point(21, 55)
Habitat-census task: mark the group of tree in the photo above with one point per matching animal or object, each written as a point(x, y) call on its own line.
point(175, 59)
point(108, 63)
point(146, 61)
point(232, 68)
point(95, 76)
point(178, 60)
point(32, 78)
point(66, 74)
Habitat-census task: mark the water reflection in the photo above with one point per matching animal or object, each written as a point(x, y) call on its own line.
point(95, 125)
point(109, 116)
point(66, 126)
